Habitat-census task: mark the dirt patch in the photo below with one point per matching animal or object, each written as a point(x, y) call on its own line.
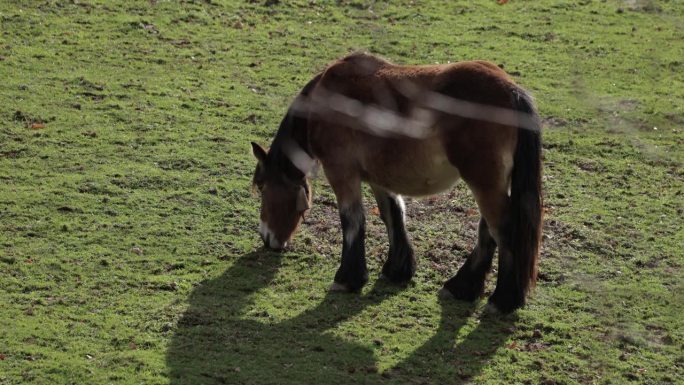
point(553, 122)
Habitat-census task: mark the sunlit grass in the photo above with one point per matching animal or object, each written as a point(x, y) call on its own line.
point(128, 244)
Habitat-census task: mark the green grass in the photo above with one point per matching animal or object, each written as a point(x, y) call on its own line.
point(128, 244)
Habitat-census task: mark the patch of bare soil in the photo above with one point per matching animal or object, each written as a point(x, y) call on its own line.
point(442, 229)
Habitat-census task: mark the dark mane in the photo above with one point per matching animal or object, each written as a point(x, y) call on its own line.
point(292, 129)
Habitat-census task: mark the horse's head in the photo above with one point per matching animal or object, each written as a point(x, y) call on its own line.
point(285, 198)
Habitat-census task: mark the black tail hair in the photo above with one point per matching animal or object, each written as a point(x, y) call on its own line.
point(526, 195)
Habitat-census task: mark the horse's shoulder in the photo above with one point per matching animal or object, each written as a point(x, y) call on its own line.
point(358, 64)
point(478, 67)
point(363, 59)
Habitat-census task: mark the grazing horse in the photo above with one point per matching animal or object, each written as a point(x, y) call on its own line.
point(412, 130)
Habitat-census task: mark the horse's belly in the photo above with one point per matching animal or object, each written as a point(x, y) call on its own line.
point(425, 170)
point(431, 182)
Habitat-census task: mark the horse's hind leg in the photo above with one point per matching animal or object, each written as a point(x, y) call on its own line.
point(494, 205)
point(496, 208)
point(352, 273)
point(401, 263)
point(468, 284)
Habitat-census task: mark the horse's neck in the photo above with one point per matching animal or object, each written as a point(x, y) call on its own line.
point(291, 145)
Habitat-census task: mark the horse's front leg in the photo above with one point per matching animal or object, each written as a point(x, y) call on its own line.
point(353, 273)
point(401, 263)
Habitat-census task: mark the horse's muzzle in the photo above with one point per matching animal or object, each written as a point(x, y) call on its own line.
point(269, 238)
point(272, 243)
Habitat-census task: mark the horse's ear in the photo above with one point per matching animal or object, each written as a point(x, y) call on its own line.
point(259, 152)
point(302, 200)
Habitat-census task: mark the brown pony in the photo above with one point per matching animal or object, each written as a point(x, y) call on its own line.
point(412, 130)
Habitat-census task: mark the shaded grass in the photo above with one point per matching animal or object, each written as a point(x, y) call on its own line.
point(127, 228)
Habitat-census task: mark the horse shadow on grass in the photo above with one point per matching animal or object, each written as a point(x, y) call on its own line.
point(214, 343)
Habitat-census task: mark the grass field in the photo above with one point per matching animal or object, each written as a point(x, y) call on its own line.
point(128, 244)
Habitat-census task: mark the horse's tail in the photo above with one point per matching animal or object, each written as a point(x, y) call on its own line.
point(526, 195)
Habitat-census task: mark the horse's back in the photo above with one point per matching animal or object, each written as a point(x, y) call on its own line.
point(413, 158)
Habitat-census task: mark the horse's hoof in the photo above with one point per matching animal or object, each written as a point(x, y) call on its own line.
point(491, 309)
point(386, 278)
point(462, 292)
point(445, 294)
point(339, 287)
point(399, 275)
point(506, 303)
